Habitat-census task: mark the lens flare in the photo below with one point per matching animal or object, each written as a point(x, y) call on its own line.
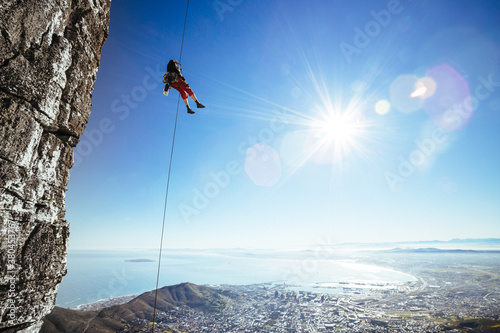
point(382, 107)
point(451, 106)
point(262, 165)
point(424, 88)
point(419, 92)
point(401, 91)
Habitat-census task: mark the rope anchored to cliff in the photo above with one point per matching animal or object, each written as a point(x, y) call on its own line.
point(168, 180)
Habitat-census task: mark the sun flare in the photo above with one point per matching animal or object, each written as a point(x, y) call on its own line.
point(339, 128)
point(335, 135)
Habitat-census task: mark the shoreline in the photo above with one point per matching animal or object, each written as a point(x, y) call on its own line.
point(105, 303)
point(334, 288)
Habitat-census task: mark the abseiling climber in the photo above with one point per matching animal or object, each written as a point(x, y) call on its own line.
point(173, 78)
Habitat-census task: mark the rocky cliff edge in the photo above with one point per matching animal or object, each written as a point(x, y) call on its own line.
point(49, 57)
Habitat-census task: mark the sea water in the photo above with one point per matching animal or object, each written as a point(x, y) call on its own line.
point(97, 275)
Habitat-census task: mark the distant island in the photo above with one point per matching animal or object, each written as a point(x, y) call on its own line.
point(139, 260)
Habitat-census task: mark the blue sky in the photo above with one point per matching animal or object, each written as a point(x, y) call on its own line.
point(325, 122)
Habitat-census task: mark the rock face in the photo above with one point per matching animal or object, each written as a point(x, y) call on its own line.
point(49, 57)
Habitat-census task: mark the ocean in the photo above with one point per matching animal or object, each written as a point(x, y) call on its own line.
point(96, 275)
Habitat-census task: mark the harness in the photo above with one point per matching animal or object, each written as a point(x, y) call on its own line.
point(170, 77)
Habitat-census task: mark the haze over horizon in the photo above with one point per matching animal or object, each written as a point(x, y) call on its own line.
point(489, 244)
point(326, 123)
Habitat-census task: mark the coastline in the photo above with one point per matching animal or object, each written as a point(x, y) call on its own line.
point(105, 303)
point(333, 288)
point(96, 280)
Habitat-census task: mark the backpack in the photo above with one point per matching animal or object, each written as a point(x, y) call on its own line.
point(173, 72)
point(170, 77)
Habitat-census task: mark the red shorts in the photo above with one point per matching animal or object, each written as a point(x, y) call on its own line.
point(182, 87)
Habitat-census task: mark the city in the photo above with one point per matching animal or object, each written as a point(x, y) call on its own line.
point(446, 298)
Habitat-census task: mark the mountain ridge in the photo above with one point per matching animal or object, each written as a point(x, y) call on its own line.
point(114, 318)
point(436, 250)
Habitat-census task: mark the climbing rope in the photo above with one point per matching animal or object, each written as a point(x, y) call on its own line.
point(168, 178)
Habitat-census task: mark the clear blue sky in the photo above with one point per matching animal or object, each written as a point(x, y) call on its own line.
point(325, 121)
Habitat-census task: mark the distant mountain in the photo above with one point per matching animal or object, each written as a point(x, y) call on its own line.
point(475, 240)
point(435, 250)
point(466, 244)
point(115, 318)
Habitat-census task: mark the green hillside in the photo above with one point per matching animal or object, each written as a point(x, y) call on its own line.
point(115, 318)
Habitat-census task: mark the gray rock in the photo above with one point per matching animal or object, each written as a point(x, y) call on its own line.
point(49, 57)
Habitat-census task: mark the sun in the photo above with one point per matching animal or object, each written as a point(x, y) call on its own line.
point(339, 128)
point(335, 134)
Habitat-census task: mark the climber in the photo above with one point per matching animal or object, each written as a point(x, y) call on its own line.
point(173, 78)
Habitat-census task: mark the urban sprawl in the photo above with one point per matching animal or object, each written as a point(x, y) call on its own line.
point(443, 294)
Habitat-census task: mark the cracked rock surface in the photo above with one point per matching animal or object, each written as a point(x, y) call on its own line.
point(49, 57)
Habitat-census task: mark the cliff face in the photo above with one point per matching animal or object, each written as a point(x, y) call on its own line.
point(49, 57)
